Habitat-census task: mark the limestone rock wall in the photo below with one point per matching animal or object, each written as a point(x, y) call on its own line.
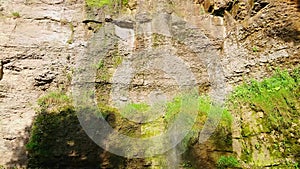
point(38, 42)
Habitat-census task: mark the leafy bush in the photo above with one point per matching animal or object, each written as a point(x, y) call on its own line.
point(227, 162)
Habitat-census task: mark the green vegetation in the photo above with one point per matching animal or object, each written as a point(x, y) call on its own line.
point(277, 97)
point(55, 101)
point(57, 139)
point(158, 40)
point(277, 100)
point(107, 64)
point(132, 109)
point(254, 49)
point(174, 107)
point(294, 165)
point(103, 71)
point(222, 135)
point(55, 114)
point(106, 110)
point(16, 14)
point(101, 3)
point(187, 165)
point(100, 65)
point(71, 38)
point(98, 3)
point(227, 162)
point(117, 60)
point(247, 153)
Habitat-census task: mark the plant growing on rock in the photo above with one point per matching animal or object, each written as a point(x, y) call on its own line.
point(255, 49)
point(227, 162)
point(101, 3)
point(56, 110)
point(16, 14)
point(275, 107)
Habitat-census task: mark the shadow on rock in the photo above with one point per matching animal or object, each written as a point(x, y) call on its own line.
point(58, 141)
point(19, 156)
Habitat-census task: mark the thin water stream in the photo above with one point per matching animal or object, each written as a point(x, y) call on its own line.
point(164, 22)
point(157, 38)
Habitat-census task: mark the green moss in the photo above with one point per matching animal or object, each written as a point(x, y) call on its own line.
point(152, 128)
point(56, 111)
point(54, 101)
point(116, 120)
point(246, 131)
point(227, 118)
point(71, 38)
point(103, 73)
point(158, 40)
point(132, 109)
point(101, 3)
point(255, 49)
point(98, 3)
point(246, 155)
point(257, 146)
point(100, 65)
point(173, 108)
point(106, 110)
point(227, 162)
point(187, 165)
point(277, 98)
point(108, 64)
point(117, 60)
point(16, 14)
point(221, 137)
point(57, 139)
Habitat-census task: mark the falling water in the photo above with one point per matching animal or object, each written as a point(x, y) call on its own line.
point(197, 42)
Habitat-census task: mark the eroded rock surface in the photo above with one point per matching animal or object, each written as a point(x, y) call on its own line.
point(40, 42)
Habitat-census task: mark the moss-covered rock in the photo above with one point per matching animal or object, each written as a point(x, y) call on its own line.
point(58, 141)
point(268, 136)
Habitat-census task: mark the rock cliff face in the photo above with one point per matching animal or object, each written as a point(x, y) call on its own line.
point(39, 41)
point(42, 42)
